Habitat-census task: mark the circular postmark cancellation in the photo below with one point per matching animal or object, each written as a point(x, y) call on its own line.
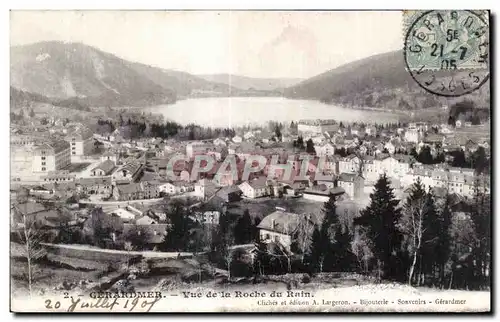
point(447, 52)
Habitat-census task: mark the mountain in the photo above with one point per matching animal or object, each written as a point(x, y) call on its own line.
point(377, 81)
point(19, 99)
point(250, 83)
point(89, 76)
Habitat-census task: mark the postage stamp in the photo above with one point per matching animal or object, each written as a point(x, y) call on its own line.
point(447, 52)
point(249, 161)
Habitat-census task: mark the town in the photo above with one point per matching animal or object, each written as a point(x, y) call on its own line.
point(257, 190)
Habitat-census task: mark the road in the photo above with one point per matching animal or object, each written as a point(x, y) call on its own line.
point(146, 254)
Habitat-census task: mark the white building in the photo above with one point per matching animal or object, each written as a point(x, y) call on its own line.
point(325, 150)
point(255, 188)
point(352, 184)
point(51, 156)
point(109, 155)
point(198, 148)
point(316, 126)
point(81, 140)
point(412, 135)
point(349, 164)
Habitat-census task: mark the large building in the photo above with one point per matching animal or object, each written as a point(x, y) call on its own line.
point(316, 126)
point(51, 156)
point(352, 184)
point(82, 142)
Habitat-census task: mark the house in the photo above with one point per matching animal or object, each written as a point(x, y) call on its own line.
point(471, 146)
point(198, 148)
point(349, 164)
point(282, 227)
point(412, 135)
point(131, 191)
point(371, 130)
point(204, 189)
point(98, 186)
point(176, 187)
point(353, 185)
point(152, 234)
point(103, 169)
point(322, 193)
point(129, 171)
point(40, 190)
point(255, 188)
point(35, 213)
point(150, 189)
point(59, 176)
point(326, 149)
point(390, 147)
point(109, 155)
point(211, 217)
point(230, 193)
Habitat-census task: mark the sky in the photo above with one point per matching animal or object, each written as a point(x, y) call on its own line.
point(270, 44)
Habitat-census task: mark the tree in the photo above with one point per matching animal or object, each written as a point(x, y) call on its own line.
point(444, 242)
point(323, 238)
point(480, 162)
point(425, 155)
point(362, 247)
point(318, 250)
point(299, 143)
point(459, 159)
point(179, 232)
point(277, 132)
point(411, 225)
point(481, 218)
point(244, 229)
point(380, 219)
point(430, 239)
point(137, 237)
point(31, 237)
point(342, 249)
point(310, 146)
point(223, 243)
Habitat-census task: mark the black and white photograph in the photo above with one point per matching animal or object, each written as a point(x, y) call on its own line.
point(250, 161)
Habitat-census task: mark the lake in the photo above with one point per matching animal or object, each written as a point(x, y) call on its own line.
point(238, 111)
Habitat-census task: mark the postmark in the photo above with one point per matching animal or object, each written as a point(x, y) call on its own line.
point(447, 52)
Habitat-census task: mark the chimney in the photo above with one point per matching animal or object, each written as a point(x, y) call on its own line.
point(273, 224)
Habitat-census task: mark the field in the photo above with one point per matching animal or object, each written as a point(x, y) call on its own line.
point(262, 207)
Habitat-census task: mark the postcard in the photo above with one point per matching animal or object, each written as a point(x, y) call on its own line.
point(250, 161)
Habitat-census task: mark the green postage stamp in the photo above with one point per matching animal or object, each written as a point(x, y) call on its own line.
point(446, 44)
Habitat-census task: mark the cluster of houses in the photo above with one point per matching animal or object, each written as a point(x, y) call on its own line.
point(129, 172)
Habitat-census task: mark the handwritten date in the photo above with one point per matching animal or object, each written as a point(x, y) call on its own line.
point(116, 304)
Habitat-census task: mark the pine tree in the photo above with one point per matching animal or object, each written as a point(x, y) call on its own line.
point(430, 237)
point(243, 230)
point(380, 219)
point(481, 217)
point(310, 146)
point(318, 250)
point(341, 249)
point(178, 234)
point(443, 250)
